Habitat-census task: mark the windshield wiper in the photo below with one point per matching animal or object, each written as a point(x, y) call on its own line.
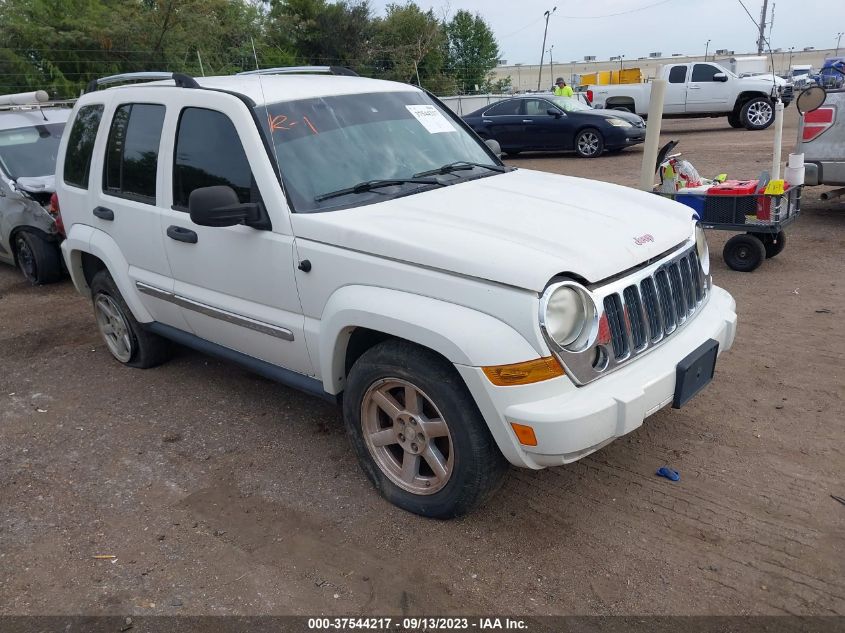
point(459, 165)
point(369, 185)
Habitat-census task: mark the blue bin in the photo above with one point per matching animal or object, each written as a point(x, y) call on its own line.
point(692, 200)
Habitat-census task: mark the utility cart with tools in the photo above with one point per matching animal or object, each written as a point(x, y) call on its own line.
point(749, 207)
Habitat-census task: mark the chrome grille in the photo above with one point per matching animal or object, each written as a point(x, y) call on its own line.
point(662, 302)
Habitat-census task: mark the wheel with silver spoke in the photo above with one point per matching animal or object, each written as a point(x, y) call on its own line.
point(127, 341)
point(417, 431)
point(113, 328)
point(757, 114)
point(407, 436)
point(589, 143)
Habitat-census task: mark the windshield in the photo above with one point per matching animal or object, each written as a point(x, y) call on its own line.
point(328, 144)
point(568, 104)
point(30, 151)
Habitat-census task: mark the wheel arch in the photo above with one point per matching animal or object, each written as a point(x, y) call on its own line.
point(744, 97)
point(627, 102)
point(358, 317)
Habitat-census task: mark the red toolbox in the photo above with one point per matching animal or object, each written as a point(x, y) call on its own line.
point(731, 201)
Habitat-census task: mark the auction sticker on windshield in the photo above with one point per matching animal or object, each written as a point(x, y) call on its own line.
point(431, 118)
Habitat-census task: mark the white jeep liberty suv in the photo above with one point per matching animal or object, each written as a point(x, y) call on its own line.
point(353, 238)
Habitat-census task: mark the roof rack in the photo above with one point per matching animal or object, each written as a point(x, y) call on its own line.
point(301, 70)
point(182, 80)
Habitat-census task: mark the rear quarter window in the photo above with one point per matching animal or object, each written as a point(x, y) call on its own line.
point(80, 146)
point(132, 152)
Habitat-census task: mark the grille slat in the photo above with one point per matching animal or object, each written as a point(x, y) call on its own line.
point(634, 310)
point(641, 310)
point(616, 323)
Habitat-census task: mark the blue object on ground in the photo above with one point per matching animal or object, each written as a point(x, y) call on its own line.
point(692, 200)
point(665, 471)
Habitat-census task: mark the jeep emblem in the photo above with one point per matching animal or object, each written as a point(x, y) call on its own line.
point(643, 239)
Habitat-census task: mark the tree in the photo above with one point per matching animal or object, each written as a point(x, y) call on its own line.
point(473, 51)
point(409, 46)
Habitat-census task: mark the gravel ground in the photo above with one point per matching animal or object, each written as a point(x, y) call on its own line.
point(219, 492)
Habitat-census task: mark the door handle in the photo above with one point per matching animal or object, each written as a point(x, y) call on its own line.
point(486, 121)
point(181, 234)
point(695, 87)
point(527, 121)
point(104, 214)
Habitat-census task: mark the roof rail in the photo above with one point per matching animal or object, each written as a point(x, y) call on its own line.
point(301, 70)
point(182, 80)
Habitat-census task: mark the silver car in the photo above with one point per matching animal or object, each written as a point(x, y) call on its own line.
point(30, 130)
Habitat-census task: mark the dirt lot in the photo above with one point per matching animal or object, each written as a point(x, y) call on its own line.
point(222, 493)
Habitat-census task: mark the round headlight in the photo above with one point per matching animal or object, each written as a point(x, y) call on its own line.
point(702, 249)
point(567, 314)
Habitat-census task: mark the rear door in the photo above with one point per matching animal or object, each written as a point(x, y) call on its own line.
point(676, 89)
point(705, 94)
point(235, 284)
point(503, 121)
point(126, 175)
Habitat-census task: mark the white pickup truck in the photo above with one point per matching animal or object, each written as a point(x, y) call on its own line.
point(701, 90)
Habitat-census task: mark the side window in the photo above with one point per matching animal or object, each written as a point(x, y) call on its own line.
point(208, 153)
point(678, 74)
point(536, 107)
point(504, 108)
point(80, 145)
point(703, 72)
point(132, 152)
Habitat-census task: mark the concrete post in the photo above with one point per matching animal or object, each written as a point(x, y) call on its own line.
point(652, 135)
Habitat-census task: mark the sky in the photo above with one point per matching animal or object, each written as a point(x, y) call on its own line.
point(672, 26)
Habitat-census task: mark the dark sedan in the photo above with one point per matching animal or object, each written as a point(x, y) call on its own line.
point(550, 123)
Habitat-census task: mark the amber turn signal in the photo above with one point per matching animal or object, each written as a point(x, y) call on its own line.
point(525, 434)
point(524, 373)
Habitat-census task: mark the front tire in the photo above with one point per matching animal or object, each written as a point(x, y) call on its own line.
point(417, 432)
point(744, 253)
point(757, 113)
point(589, 143)
point(38, 260)
point(128, 342)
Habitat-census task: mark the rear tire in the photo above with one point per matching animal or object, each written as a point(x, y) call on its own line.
point(757, 113)
point(774, 243)
point(127, 341)
point(38, 259)
point(589, 143)
point(417, 432)
point(744, 253)
point(735, 121)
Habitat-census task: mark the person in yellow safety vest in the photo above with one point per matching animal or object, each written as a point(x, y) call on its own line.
point(561, 89)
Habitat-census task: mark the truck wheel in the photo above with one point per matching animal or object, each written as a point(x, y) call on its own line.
point(417, 432)
point(589, 143)
point(744, 253)
point(38, 259)
point(127, 341)
point(757, 113)
point(734, 120)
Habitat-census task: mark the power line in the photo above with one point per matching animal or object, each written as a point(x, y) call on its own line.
point(612, 15)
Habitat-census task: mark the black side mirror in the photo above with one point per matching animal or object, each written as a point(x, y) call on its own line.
point(554, 112)
point(219, 206)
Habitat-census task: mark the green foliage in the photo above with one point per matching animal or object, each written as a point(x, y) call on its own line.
point(473, 50)
point(60, 45)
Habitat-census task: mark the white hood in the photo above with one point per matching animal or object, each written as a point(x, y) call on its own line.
point(519, 228)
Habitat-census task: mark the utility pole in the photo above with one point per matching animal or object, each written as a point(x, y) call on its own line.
point(547, 14)
point(621, 60)
point(789, 66)
point(551, 63)
point(761, 40)
point(518, 77)
point(838, 38)
point(706, 49)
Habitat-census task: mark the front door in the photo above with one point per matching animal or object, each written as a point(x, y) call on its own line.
point(706, 94)
point(235, 285)
point(542, 130)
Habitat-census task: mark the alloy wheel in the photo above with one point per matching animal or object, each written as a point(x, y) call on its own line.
point(113, 327)
point(588, 143)
point(407, 436)
point(759, 113)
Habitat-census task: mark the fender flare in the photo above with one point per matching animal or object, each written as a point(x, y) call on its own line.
point(85, 239)
point(462, 335)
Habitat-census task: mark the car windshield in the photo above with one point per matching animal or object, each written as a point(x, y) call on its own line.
point(568, 104)
point(327, 144)
point(30, 151)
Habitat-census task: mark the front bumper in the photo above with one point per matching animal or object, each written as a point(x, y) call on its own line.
point(626, 137)
point(571, 422)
